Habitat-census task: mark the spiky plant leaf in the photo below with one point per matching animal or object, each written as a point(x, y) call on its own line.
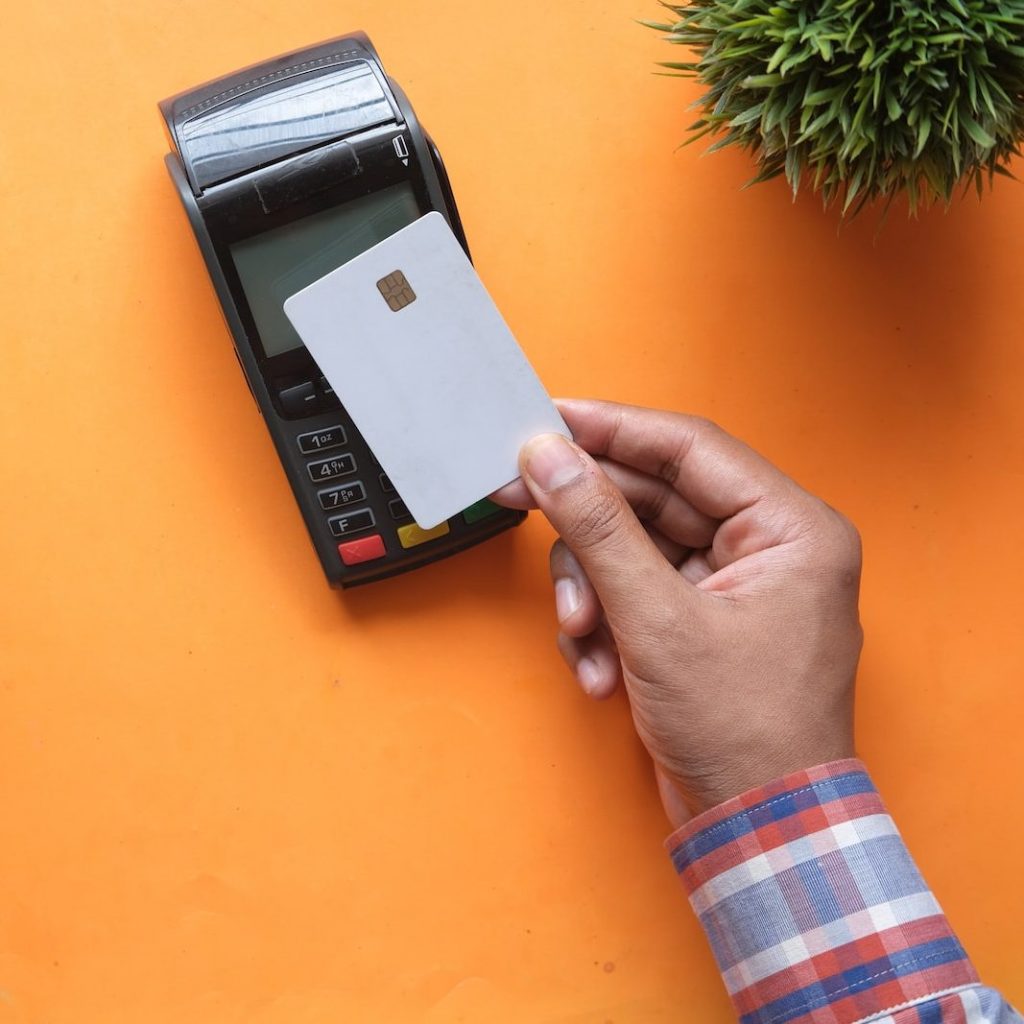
point(859, 99)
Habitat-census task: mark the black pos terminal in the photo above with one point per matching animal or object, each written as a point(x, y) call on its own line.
point(287, 170)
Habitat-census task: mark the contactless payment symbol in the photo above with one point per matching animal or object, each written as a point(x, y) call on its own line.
point(396, 290)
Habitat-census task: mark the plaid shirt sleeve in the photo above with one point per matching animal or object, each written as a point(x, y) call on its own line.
point(817, 914)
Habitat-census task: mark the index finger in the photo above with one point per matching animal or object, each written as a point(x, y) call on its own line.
point(717, 473)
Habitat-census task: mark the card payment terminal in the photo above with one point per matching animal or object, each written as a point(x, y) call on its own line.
point(287, 170)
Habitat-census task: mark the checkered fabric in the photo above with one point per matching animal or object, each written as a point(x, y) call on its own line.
point(817, 914)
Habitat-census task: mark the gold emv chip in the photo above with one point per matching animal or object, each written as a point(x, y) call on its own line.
point(396, 290)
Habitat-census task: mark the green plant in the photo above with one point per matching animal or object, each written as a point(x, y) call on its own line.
point(861, 99)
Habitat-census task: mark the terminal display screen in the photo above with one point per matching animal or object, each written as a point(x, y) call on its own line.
point(276, 264)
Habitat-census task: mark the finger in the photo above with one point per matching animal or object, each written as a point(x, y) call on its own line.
point(716, 473)
point(594, 663)
point(674, 553)
point(653, 500)
point(579, 621)
point(576, 602)
point(594, 519)
point(696, 567)
point(514, 495)
point(585, 619)
point(658, 503)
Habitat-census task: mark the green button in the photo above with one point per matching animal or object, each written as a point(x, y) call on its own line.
point(480, 510)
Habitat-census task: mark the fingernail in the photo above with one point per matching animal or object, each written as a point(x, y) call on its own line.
point(567, 598)
point(551, 461)
point(588, 674)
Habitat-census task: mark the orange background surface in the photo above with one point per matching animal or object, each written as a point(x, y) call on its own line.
point(230, 794)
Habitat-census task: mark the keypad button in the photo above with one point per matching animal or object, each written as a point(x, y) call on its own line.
point(413, 535)
point(341, 526)
point(398, 509)
point(328, 399)
point(386, 485)
point(330, 469)
point(340, 497)
point(300, 400)
point(322, 440)
point(480, 510)
point(366, 549)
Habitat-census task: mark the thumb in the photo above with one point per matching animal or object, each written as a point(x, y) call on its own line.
point(595, 521)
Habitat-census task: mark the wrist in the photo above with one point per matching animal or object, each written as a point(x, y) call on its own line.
point(741, 775)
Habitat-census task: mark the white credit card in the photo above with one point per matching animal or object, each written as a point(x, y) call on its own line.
point(426, 367)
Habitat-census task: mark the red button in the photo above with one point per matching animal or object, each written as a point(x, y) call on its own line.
point(366, 549)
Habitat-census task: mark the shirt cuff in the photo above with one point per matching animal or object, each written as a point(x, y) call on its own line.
point(812, 904)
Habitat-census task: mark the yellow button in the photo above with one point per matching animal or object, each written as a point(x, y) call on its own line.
point(411, 535)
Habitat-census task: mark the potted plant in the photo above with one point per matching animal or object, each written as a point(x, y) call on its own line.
point(859, 99)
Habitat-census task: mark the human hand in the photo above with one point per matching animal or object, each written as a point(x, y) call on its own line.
point(723, 594)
